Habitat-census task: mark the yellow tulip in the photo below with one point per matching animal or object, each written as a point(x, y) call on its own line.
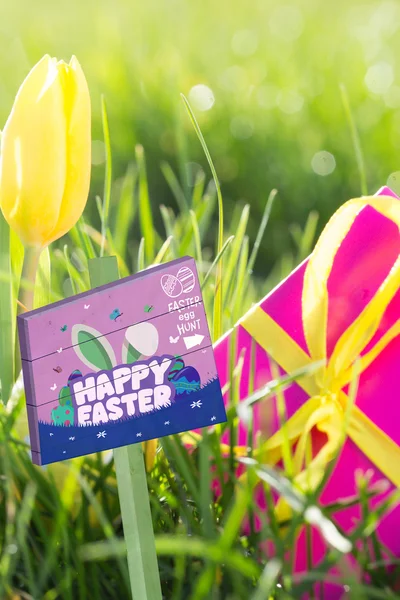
point(150, 451)
point(46, 153)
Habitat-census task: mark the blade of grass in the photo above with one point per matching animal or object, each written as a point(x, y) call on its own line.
point(287, 455)
point(261, 230)
point(163, 251)
point(238, 291)
point(205, 487)
point(233, 520)
point(235, 250)
point(167, 217)
point(177, 546)
point(203, 213)
point(179, 454)
point(106, 527)
point(174, 186)
point(180, 546)
point(122, 266)
point(268, 580)
point(197, 241)
point(355, 138)
point(217, 260)
point(145, 214)
point(140, 258)
point(126, 210)
point(76, 279)
point(306, 240)
point(271, 387)
point(81, 238)
point(198, 188)
point(217, 313)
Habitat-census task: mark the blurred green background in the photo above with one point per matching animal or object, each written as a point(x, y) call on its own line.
point(263, 78)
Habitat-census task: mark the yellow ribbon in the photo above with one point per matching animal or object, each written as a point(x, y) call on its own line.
point(326, 407)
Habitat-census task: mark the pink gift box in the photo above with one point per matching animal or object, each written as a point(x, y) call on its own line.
point(360, 266)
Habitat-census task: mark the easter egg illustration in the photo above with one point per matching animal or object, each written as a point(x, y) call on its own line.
point(76, 374)
point(64, 397)
point(186, 380)
point(186, 278)
point(177, 366)
point(63, 415)
point(140, 340)
point(171, 286)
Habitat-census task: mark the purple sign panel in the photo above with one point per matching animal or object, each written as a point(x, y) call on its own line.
point(120, 364)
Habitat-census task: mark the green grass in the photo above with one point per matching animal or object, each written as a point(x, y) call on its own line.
point(276, 75)
point(60, 527)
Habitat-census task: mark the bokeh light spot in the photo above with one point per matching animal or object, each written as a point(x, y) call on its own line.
point(244, 42)
point(392, 97)
point(393, 182)
point(379, 78)
point(267, 95)
point(286, 22)
point(234, 79)
point(290, 101)
point(241, 127)
point(323, 163)
point(201, 97)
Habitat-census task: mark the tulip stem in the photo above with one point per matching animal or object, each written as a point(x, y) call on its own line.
point(28, 277)
point(26, 290)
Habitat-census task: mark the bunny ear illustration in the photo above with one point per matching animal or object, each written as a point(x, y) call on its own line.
point(140, 340)
point(92, 348)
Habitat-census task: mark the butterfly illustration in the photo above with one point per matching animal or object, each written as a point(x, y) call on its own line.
point(64, 328)
point(148, 308)
point(57, 369)
point(115, 314)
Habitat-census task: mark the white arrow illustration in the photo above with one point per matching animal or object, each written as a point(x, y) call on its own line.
point(193, 340)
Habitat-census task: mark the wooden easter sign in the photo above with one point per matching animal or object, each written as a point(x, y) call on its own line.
point(120, 364)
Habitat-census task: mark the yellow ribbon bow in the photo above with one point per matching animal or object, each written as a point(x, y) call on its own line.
point(326, 407)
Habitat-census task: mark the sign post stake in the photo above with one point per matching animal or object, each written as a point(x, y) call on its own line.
point(132, 487)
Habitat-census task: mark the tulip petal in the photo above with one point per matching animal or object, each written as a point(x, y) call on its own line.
point(33, 156)
point(78, 114)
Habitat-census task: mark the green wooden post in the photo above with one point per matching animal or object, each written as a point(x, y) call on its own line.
point(132, 487)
